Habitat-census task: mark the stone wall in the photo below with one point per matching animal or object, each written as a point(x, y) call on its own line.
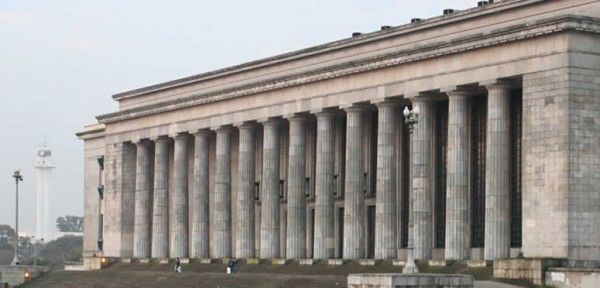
point(531, 270)
point(576, 278)
point(94, 148)
point(545, 161)
point(584, 144)
point(409, 280)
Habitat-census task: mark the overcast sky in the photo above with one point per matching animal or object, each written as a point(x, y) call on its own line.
point(60, 62)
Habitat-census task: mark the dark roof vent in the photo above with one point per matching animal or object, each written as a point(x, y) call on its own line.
point(482, 3)
point(415, 20)
point(355, 34)
point(448, 11)
point(385, 27)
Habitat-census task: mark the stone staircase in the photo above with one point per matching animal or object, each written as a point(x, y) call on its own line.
point(263, 275)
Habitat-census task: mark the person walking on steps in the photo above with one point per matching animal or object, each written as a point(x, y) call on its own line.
point(177, 265)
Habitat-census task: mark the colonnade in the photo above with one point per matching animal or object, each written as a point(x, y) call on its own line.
point(162, 208)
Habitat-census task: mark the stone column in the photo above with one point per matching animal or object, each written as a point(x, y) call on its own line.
point(354, 238)
point(269, 220)
point(457, 178)
point(296, 200)
point(160, 203)
point(422, 188)
point(324, 246)
point(245, 202)
point(199, 247)
point(141, 226)
point(497, 175)
point(385, 209)
point(222, 214)
point(178, 216)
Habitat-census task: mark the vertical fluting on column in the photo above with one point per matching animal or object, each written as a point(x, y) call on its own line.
point(141, 228)
point(497, 185)
point(354, 239)
point(385, 210)
point(324, 246)
point(178, 216)
point(160, 206)
point(199, 247)
point(222, 230)
point(245, 202)
point(296, 198)
point(269, 220)
point(457, 196)
point(422, 187)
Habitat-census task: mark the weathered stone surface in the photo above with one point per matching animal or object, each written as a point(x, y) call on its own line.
point(547, 49)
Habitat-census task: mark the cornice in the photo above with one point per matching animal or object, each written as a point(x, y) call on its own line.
point(365, 38)
point(419, 53)
point(91, 132)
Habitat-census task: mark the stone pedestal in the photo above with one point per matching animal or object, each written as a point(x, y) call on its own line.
point(410, 280)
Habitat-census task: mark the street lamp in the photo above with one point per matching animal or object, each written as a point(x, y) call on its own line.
point(411, 118)
point(18, 177)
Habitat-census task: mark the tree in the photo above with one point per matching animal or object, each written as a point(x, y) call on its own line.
point(7, 236)
point(69, 223)
point(63, 249)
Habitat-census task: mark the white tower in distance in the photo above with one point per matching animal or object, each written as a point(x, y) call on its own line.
point(43, 167)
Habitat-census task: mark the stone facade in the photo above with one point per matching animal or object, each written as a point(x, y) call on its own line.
point(306, 154)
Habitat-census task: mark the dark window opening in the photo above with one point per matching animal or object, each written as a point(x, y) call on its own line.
point(516, 112)
point(441, 147)
point(478, 135)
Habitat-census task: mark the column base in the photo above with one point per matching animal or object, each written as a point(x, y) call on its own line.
point(306, 261)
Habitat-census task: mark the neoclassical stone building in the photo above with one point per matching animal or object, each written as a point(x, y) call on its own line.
point(307, 155)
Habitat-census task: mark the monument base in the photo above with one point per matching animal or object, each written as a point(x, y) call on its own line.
point(420, 280)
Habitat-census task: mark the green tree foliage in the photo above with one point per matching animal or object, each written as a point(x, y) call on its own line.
point(7, 236)
point(70, 223)
point(64, 249)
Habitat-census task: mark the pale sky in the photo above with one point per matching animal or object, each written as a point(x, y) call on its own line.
point(61, 60)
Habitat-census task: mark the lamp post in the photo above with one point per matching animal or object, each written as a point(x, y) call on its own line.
point(411, 118)
point(18, 177)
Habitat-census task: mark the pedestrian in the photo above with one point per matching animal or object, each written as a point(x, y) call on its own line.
point(177, 266)
point(231, 266)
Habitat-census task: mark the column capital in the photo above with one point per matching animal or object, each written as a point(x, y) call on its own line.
point(357, 108)
point(499, 84)
point(270, 121)
point(246, 126)
point(161, 138)
point(202, 132)
point(139, 141)
point(422, 95)
point(223, 129)
point(179, 135)
point(325, 112)
point(296, 117)
point(387, 103)
point(459, 93)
